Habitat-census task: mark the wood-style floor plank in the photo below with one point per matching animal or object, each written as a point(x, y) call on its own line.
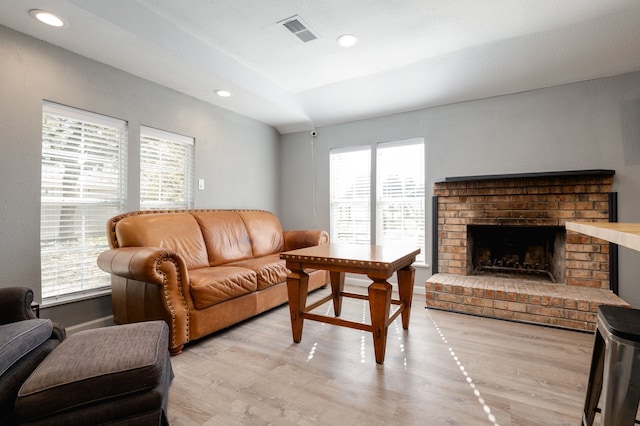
point(447, 369)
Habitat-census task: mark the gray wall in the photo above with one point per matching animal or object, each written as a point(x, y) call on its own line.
point(587, 125)
point(237, 156)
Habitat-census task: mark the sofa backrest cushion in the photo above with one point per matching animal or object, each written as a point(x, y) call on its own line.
point(265, 232)
point(177, 231)
point(225, 235)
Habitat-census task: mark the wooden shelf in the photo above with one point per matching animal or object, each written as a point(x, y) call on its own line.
point(535, 175)
point(624, 234)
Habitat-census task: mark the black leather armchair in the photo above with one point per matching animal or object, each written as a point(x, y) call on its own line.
point(117, 375)
point(24, 342)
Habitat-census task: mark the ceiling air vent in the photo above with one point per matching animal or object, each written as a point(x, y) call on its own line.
point(299, 28)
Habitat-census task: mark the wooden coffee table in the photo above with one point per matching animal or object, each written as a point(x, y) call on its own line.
point(379, 263)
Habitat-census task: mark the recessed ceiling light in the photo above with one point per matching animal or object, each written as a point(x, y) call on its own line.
point(347, 40)
point(223, 93)
point(46, 17)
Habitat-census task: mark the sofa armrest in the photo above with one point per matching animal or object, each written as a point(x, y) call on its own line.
point(153, 266)
point(298, 239)
point(147, 264)
point(15, 304)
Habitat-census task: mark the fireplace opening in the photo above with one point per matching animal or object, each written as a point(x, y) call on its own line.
point(532, 252)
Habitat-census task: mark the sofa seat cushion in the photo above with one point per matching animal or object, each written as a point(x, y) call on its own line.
point(19, 338)
point(97, 366)
point(270, 270)
point(216, 284)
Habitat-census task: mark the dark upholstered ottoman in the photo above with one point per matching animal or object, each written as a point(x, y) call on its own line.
point(115, 375)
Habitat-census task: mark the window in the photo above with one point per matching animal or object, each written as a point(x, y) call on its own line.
point(397, 216)
point(350, 195)
point(400, 194)
point(166, 170)
point(83, 180)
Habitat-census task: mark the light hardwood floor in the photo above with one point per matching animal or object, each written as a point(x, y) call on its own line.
point(447, 369)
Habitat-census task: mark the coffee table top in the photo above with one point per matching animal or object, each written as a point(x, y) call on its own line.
point(362, 255)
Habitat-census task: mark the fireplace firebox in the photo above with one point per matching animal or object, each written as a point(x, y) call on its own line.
point(531, 252)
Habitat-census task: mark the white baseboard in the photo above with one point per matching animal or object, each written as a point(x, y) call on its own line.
point(96, 323)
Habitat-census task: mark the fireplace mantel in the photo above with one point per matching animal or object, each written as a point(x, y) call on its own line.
point(534, 175)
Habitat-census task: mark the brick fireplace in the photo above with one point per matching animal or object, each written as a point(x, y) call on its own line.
point(501, 248)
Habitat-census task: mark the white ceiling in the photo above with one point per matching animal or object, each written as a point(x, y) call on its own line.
point(412, 53)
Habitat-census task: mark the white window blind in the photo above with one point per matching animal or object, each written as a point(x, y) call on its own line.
point(400, 217)
point(83, 180)
point(166, 170)
point(350, 189)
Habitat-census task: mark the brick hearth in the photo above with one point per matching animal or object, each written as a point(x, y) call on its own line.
point(540, 200)
point(557, 305)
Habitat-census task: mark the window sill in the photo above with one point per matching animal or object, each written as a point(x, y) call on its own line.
point(76, 297)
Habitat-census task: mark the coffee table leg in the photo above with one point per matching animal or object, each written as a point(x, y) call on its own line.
point(406, 278)
point(337, 287)
point(297, 285)
point(379, 306)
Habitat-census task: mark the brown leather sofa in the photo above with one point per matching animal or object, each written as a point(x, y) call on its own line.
point(200, 270)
